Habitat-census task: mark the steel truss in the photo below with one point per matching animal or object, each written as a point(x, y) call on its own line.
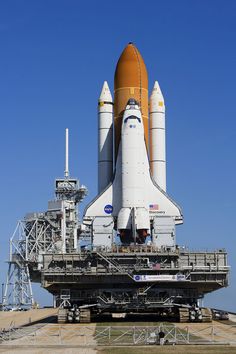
point(31, 238)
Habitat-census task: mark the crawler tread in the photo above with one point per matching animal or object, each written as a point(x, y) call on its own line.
point(183, 314)
point(85, 316)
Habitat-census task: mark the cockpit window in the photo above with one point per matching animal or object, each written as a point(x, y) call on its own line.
point(132, 117)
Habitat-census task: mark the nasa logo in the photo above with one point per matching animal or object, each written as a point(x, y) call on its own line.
point(108, 209)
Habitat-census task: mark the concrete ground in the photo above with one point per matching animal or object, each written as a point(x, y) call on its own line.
point(232, 318)
point(79, 338)
point(20, 318)
point(53, 338)
point(216, 330)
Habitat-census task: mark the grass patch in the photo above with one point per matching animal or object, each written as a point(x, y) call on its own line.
point(179, 349)
point(140, 333)
point(130, 324)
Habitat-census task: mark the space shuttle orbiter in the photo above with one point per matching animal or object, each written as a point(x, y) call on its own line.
point(132, 193)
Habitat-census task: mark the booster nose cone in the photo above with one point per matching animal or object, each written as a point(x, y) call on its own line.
point(156, 99)
point(156, 89)
point(131, 80)
point(105, 95)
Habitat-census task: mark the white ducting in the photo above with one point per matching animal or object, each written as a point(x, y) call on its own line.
point(105, 138)
point(157, 137)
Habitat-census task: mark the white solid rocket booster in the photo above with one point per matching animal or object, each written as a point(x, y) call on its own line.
point(157, 137)
point(105, 138)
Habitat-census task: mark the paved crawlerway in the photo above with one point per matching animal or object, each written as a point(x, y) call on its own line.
point(52, 338)
point(217, 331)
point(79, 338)
point(21, 318)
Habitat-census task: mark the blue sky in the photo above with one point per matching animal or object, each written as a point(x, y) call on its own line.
point(54, 58)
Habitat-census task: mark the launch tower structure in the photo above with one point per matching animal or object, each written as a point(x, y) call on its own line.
point(55, 230)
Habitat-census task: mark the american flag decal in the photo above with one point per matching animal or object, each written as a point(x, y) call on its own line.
point(154, 207)
point(156, 266)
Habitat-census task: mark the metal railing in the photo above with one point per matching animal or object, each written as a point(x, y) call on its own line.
point(77, 335)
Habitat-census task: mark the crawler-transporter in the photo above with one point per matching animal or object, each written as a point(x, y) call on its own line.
point(90, 273)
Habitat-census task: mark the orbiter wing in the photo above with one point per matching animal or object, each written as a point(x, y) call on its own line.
point(108, 203)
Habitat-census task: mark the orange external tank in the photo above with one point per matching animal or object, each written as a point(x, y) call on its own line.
point(131, 81)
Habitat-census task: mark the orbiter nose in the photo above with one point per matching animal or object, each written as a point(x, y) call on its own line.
point(132, 102)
